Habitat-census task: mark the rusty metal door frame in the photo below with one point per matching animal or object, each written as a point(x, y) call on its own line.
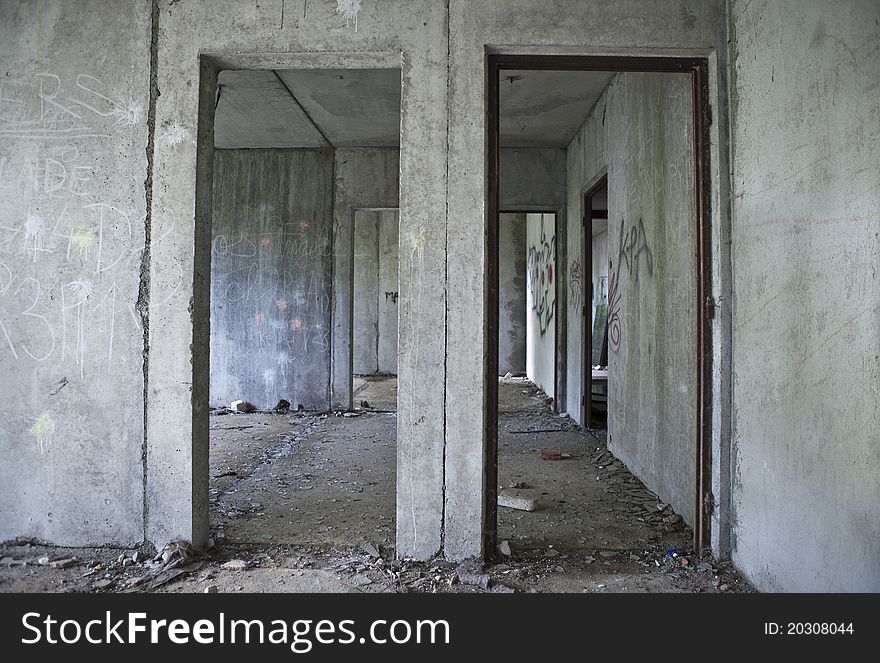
point(698, 68)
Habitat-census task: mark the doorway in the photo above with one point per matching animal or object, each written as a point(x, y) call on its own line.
point(509, 68)
point(375, 293)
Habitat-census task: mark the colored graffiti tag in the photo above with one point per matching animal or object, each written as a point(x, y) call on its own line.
point(542, 287)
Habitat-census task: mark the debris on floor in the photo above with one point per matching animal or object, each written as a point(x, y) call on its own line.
point(242, 406)
point(306, 503)
point(521, 500)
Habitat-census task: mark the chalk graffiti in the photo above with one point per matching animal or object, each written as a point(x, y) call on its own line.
point(349, 10)
point(542, 286)
point(43, 429)
point(575, 286)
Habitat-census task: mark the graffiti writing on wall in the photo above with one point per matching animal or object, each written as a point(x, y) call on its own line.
point(68, 241)
point(576, 285)
point(633, 247)
point(542, 284)
point(392, 296)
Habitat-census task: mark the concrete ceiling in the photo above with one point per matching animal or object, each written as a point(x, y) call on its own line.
point(290, 109)
point(361, 107)
point(546, 108)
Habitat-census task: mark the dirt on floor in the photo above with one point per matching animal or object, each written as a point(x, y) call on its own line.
point(306, 503)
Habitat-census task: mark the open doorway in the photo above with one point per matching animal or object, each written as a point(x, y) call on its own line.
point(595, 313)
point(375, 291)
point(301, 158)
point(635, 149)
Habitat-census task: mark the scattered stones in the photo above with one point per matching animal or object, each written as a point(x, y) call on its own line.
point(234, 565)
point(43, 560)
point(104, 583)
point(504, 548)
point(362, 580)
point(211, 589)
point(551, 552)
point(370, 548)
point(282, 407)
point(242, 406)
point(471, 572)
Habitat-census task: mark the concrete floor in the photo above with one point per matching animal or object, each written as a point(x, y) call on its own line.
point(304, 502)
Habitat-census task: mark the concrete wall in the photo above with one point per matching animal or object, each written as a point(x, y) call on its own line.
point(585, 165)
point(365, 178)
point(806, 260)
point(652, 282)
point(73, 139)
point(532, 178)
point(375, 292)
point(512, 294)
point(541, 310)
point(441, 50)
point(271, 277)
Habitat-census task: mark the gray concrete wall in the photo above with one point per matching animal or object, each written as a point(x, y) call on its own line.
point(532, 178)
point(585, 165)
point(73, 138)
point(541, 305)
point(389, 290)
point(652, 282)
point(365, 178)
point(375, 294)
point(442, 229)
point(512, 294)
point(365, 293)
point(806, 260)
point(271, 277)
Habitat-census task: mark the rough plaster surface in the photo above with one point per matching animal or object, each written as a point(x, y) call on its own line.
point(652, 283)
point(442, 262)
point(806, 319)
point(270, 277)
point(375, 292)
point(73, 133)
point(585, 165)
point(512, 294)
point(365, 178)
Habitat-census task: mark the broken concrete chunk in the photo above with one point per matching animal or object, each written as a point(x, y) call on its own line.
point(242, 406)
point(43, 560)
point(104, 584)
point(517, 499)
point(504, 548)
point(282, 406)
point(63, 563)
point(211, 589)
point(234, 565)
point(362, 580)
point(370, 549)
point(470, 572)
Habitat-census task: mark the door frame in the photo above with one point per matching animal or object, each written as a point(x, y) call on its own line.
point(586, 313)
point(698, 68)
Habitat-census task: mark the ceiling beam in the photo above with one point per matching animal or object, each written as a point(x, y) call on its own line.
point(302, 108)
